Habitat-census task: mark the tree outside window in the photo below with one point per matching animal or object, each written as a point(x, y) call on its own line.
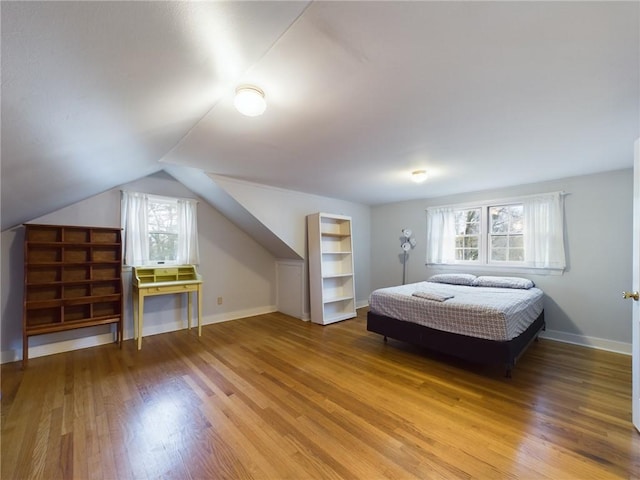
point(159, 230)
point(467, 234)
point(506, 238)
point(163, 230)
point(523, 232)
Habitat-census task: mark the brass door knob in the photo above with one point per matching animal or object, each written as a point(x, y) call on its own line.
point(634, 295)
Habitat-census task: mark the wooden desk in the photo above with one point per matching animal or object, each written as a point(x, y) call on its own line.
point(149, 281)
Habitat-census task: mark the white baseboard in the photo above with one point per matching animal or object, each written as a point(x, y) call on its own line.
point(58, 347)
point(306, 316)
point(105, 338)
point(206, 320)
point(249, 312)
point(584, 341)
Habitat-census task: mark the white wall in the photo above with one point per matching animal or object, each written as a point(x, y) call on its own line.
point(584, 305)
point(233, 266)
point(284, 212)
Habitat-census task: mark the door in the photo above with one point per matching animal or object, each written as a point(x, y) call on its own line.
point(635, 368)
point(289, 287)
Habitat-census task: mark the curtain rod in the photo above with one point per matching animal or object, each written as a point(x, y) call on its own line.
point(162, 196)
point(480, 203)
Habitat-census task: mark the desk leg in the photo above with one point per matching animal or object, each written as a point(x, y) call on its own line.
point(189, 307)
point(140, 316)
point(199, 311)
point(134, 302)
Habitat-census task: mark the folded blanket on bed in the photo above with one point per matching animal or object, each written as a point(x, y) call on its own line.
point(432, 296)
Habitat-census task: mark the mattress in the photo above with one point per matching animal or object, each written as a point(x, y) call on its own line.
point(485, 312)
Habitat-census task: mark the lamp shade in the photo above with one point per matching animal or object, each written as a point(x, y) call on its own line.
point(250, 101)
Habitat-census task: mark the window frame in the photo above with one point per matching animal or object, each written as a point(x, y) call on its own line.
point(481, 240)
point(508, 235)
point(483, 264)
point(157, 199)
point(484, 237)
point(134, 220)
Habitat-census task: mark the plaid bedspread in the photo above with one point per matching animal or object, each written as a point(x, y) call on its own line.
point(484, 312)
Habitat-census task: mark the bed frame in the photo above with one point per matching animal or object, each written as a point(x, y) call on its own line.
point(474, 349)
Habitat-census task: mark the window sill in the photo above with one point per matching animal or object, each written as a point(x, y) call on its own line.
point(468, 268)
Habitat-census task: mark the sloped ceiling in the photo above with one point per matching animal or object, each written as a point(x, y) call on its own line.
point(267, 236)
point(94, 94)
point(481, 94)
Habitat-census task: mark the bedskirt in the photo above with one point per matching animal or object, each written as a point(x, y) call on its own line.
point(474, 349)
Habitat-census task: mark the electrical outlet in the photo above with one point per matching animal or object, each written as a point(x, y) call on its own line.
point(219, 300)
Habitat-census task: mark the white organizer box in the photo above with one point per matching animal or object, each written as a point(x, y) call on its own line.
point(331, 283)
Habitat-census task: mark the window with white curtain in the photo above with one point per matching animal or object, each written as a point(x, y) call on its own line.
point(159, 230)
point(526, 232)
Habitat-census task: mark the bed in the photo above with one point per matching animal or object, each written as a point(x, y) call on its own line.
point(490, 320)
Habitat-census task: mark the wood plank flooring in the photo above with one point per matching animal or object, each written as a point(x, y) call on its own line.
point(274, 397)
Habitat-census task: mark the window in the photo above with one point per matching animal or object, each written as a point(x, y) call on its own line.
point(467, 234)
point(163, 229)
point(525, 232)
point(505, 237)
point(159, 230)
point(506, 240)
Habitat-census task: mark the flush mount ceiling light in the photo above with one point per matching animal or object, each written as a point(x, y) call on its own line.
point(419, 176)
point(250, 101)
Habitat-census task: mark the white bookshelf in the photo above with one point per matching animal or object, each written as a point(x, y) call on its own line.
point(331, 282)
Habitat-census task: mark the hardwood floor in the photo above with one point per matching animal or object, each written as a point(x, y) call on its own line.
point(274, 397)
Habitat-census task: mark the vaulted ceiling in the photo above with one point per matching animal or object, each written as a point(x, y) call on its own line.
point(480, 94)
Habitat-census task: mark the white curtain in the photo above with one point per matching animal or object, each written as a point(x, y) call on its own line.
point(544, 231)
point(135, 223)
point(188, 252)
point(135, 226)
point(441, 235)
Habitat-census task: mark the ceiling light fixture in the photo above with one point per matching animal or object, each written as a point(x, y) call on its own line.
point(250, 101)
point(419, 176)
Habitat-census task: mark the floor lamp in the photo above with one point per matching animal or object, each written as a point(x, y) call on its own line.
point(407, 243)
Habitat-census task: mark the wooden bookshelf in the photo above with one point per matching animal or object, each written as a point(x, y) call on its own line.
point(72, 279)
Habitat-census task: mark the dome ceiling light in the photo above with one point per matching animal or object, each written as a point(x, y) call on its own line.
point(250, 101)
point(419, 176)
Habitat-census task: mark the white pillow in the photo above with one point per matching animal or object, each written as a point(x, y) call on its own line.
point(453, 278)
point(503, 282)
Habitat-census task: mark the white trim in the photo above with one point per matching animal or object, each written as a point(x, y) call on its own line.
point(162, 197)
point(238, 314)
point(590, 342)
point(15, 355)
point(297, 264)
point(105, 338)
point(58, 347)
point(206, 320)
point(484, 235)
point(476, 267)
point(492, 203)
